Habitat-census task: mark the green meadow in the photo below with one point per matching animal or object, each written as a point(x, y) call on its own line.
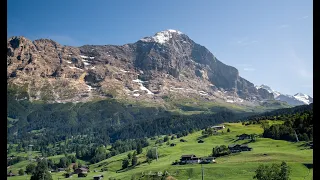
point(238, 166)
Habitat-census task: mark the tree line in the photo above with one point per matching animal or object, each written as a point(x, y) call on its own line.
point(300, 124)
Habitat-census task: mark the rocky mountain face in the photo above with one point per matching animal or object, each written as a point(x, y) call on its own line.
point(166, 64)
point(295, 100)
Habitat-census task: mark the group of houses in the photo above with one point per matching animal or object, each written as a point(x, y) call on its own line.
point(81, 172)
point(192, 159)
point(238, 148)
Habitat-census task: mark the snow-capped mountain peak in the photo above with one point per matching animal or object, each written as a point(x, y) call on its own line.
point(301, 95)
point(264, 87)
point(306, 99)
point(297, 99)
point(275, 93)
point(162, 36)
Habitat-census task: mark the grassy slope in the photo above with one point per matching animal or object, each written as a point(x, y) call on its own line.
point(238, 166)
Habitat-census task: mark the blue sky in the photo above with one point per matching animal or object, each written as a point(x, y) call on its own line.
point(269, 42)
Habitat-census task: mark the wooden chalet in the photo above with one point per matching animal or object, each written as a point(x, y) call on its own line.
point(189, 159)
point(99, 177)
point(81, 170)
point(244, 136)
point(60, 169)
point(245, 147)
point(238, 148)
point(234, 148)
point(218, 127)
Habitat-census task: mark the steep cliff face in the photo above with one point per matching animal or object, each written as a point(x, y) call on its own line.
point(167, 63)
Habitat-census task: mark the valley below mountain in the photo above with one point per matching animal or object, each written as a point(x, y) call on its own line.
point(94, 103)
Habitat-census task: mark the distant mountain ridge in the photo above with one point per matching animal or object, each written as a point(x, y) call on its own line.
point(295, 100)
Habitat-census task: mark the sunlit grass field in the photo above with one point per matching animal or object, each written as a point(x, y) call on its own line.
point(239, 166)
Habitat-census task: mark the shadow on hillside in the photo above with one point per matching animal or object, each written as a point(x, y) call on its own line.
point(246, 142)
point(307, 145)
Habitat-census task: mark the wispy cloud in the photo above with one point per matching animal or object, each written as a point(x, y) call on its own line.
point(283, 26)
point(299, 66)
point(304, 17)
point(246, 67)
point(249, 69)
point(245, 41)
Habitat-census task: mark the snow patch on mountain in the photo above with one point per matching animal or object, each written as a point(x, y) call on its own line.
point(275, 93)
point(84, 57)
point(142, 87)
point(303, 97)
point(297, 99)
point(162, 36)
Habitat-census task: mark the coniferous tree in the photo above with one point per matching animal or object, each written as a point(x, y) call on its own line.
point(41, 171)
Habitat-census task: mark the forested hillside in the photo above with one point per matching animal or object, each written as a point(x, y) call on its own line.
point(298, 123)
point(84, 127)
point(98, 122)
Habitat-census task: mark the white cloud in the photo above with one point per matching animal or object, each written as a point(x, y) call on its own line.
point(304, 17)
point(245, 41)
point(249, 69)
point(246, 67)
point(283, 26)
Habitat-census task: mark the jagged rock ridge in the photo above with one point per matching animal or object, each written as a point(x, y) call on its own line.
point(152, 68)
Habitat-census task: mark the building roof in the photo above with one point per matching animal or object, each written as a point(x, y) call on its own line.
point(97, 176)
point(195, 158)
point(83, 169)
point(233, 145)
point(189, 155)
point(217, 126)
point(244, 145)
point(208, 158)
